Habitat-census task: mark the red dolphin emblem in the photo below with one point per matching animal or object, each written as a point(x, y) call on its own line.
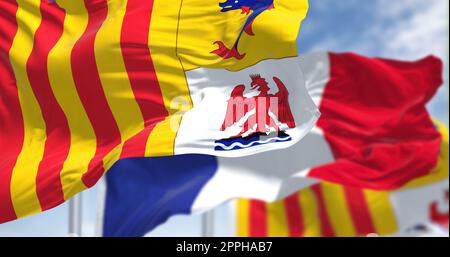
point(436, 215)
point(264, 113)
point(252, 7)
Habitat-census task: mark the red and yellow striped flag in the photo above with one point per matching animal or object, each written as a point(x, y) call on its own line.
point(86, 83)
point(327, 209)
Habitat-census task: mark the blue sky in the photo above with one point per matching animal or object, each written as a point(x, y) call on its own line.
point(401, 29)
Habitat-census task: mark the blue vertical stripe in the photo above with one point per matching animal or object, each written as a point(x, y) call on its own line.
point(144, 192)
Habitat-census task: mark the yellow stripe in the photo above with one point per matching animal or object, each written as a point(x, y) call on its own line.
point(310, 213)
point(443, 130)
point(113, 74)
point(277, 225)
point(336, 204)
point(83, 140)
point(117, 89)
point(171, 77)
point(381, 211)
point(242, 219)
point(23, 180)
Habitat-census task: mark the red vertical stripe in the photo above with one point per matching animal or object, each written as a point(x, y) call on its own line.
point(258, 218)
point(135, 146)
point(141, 72)
point(325, 224)
point(11, 119)
point(57, 144)
point(294, 216)
point(359, 211)
point(91, 93)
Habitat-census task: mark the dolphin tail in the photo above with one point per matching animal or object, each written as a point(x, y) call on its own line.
point(227, 53)
point(249, 29)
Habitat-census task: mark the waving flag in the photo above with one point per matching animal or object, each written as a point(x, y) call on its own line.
point(374, 121)
point(374, 127)
point(328, 209)
point(86, 83)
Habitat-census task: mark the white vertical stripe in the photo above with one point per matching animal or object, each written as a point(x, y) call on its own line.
point(412, 206)
point(316, 71)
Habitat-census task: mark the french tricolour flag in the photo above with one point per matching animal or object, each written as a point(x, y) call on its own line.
point(374, 132)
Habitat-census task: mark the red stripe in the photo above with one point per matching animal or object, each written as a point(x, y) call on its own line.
point(258, 218)
point(325, 224)
point(135, 146)
point(141, 72)
point(11, 125)
point(91, 93)
point(48, 182)
point(376, 122)
point(294, 216)
point(359, 211)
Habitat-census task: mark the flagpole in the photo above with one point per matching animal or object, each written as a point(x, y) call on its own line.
point(75, 217)
point(208, 224)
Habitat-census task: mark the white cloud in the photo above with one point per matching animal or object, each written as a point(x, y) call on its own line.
point(414, 29)
point(400, 29)
point(419, 28)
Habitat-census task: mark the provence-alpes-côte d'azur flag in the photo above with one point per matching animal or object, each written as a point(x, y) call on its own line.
point(327, 209)
point(374, 133)
point(86, 83)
